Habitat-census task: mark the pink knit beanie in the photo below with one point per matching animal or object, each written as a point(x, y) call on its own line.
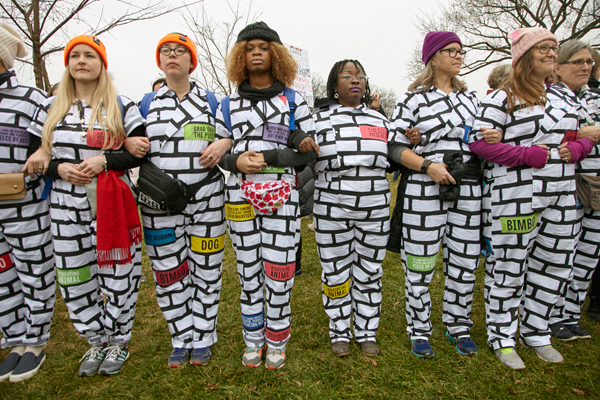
point(525, 38)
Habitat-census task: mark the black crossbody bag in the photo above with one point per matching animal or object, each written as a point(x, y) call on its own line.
point(159, 191)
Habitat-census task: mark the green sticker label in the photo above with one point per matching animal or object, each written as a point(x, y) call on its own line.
point(269, 169)
point(67, 277)
point(199, 132)
point(415, 263)
point(519, 224)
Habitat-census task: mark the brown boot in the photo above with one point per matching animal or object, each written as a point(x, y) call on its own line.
point(369, 348)
point(340, 349)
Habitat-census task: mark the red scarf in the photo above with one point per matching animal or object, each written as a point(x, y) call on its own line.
point(117, 220)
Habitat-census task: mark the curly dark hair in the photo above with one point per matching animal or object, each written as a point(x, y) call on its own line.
point(333, 76)
point(283, 66)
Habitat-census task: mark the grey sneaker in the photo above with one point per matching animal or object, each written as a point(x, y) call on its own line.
point(562, 332)
point(143, 278)
point(340, 349)
point(114, 360)
point(93, 358)
point(578, 331)
point(509, 357)
point(369, 348)
point(546, 353)
point(275, 358)
point(252, 357)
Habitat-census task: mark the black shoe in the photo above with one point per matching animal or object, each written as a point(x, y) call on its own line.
point(28, 366)
point(578, 331)
point(593, 310)
point(8, 365)
point(298, 272)
point(561, 332)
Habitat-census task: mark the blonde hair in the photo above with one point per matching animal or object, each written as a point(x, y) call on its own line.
point(283, 66)
point(104, 98)
point(498, 74)
point(427, 77)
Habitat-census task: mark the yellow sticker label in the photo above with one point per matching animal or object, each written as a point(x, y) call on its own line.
point(199, 132)
point(335, 292)
point(208, 245)
point(519, 224)
point(239, 212)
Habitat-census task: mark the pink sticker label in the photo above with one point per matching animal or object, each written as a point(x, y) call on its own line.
point(276, 133)
point(14, 136)
point(96, 139)
point(284, 99)
point(278, 336)
point(570, 136)
point(5, 262)
point(280, 272)
point(374, 132)
point(166, 278)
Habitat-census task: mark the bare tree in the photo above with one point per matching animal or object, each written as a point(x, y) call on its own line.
point(484, 25)
point(319, 86)
point(44, 24)
point(388, 100)
point(214, 39)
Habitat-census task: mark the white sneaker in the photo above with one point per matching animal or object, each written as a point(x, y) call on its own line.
point(275, 358)
point(546, 353)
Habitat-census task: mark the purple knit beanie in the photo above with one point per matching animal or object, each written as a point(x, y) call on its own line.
point(435, 41)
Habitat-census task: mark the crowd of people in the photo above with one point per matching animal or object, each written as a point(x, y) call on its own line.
point(513, 177)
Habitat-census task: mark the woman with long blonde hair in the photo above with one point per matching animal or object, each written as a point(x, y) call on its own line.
point(95, 224)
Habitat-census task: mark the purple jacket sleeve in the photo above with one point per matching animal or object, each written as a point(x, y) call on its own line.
point(512, 156)
point(580, 148)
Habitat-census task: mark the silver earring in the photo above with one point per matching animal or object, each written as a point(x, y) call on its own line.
point(335, 95)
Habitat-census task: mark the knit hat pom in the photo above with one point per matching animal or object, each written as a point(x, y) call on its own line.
point(11, 46)
point(258, 30)
point(524, 39)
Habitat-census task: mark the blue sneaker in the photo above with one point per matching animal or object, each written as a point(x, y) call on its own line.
point(201, 356)
point(178, 357)
point(421, 348)
point(464, 345)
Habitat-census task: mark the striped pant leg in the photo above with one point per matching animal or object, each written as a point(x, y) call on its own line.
point(244, 231)
point(505, 269)
point(461, 250)
point(586, 259)
point(371, 236)
point(334, 234)
point(549, 268)
point(206, 233)
point(423, 223)
point(119, 285)
point(279, 236)
point(77, 268)
point(167, 248)
point(27, 274)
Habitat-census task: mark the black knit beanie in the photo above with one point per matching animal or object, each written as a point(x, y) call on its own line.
point(258, 30)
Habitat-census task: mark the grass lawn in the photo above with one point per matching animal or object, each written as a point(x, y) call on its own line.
point(311, 371)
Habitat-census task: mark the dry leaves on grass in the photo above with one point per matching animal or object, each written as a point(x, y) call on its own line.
point(579, 392)
point(374, 362)
point(212, 386)
point(253, 388)
point(298, 383)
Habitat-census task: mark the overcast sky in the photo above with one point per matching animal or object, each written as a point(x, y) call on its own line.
point(380, 34)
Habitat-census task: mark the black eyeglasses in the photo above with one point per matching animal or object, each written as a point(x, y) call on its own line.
point(579, 63)
point(166, 51)
point(454, 52)
point(545, 49)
